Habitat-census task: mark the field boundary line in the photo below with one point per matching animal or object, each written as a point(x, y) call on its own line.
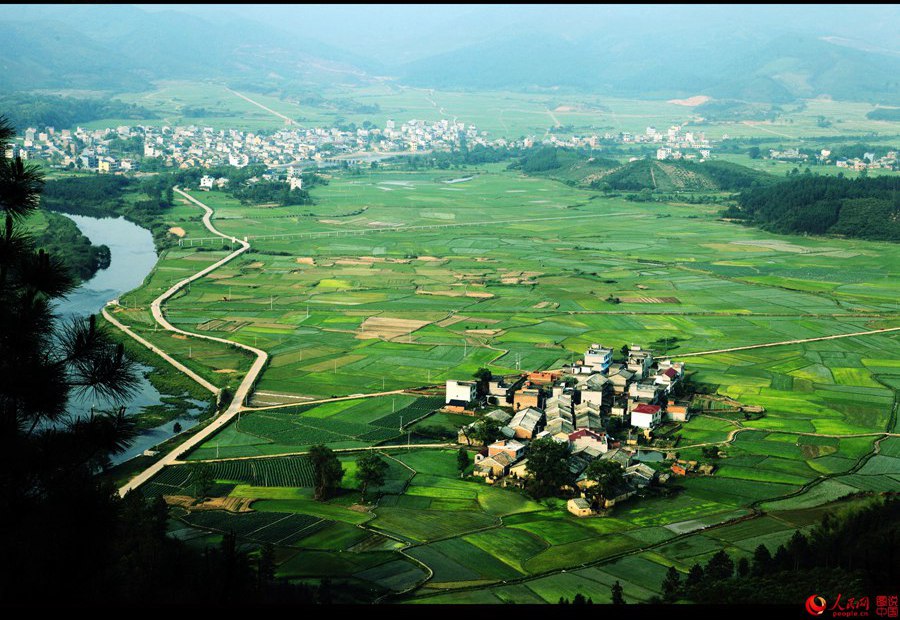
point(883, 330)
point(403, 446)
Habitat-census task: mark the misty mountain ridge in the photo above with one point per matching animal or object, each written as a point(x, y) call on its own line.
point(650, 52)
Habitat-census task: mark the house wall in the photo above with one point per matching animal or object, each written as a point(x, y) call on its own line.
point(457, 391)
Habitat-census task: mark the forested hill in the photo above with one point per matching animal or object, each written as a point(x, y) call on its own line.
point(681, 176)
point(865, 208)
point(598, 172)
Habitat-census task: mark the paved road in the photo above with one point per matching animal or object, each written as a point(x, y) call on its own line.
point(242, 391)
point(288, 120)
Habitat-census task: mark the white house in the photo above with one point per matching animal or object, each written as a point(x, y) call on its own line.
point(646, 416)
point(464, 391)
point(598, 358)
point(206, 182)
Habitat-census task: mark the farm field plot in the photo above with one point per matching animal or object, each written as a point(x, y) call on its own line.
point(351, 423)
point(263, 527)
point(292, 471)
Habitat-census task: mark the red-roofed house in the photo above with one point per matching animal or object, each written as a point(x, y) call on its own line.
point(667, 378)
point(585, 437)
point(646, 416)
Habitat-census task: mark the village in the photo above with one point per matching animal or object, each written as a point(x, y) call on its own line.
point(192, 146)
point(125, 149)
point(602, 411)
point(824, 157)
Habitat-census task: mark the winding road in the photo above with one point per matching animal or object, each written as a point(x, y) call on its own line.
point(243, 389)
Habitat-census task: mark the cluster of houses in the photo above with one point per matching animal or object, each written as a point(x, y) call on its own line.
point(574, 406)
point(195, 146)
point(673, 143)
point(888, 161)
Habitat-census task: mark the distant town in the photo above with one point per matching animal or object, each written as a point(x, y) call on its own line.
point(130, 149)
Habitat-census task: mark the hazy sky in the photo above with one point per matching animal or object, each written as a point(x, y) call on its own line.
point(391, 33)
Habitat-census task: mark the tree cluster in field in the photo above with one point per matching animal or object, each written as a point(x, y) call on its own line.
point(277, 192)
point(26, 110)
point(856, 553)
point(884, 114)
point(865, 208)
point(460, 157)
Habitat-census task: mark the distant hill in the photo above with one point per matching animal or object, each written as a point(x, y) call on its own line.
point(121, 47)
point(866, 208)
point(565, 164)
point(749, 68)
point(598, 172)
point(669, 175)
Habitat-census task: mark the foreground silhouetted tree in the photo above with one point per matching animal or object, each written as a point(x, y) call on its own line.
point(617, 598)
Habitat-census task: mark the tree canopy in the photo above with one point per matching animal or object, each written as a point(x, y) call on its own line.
point(327, 471)
point(371, 470)
point(548, 466)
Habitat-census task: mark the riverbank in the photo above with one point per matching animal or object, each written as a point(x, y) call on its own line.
point(163, 397)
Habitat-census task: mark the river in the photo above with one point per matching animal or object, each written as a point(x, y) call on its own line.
point(132, 257)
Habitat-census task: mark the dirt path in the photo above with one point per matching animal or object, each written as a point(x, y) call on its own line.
point(190, 373)
point(883, 330)
point(323, 400)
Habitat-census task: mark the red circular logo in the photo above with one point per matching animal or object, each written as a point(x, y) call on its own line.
point(815, 605)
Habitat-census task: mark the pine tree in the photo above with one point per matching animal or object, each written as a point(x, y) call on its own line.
point(671, 585)
point(617, 598)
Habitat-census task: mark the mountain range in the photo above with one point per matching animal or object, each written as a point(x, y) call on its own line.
point(767, 54)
